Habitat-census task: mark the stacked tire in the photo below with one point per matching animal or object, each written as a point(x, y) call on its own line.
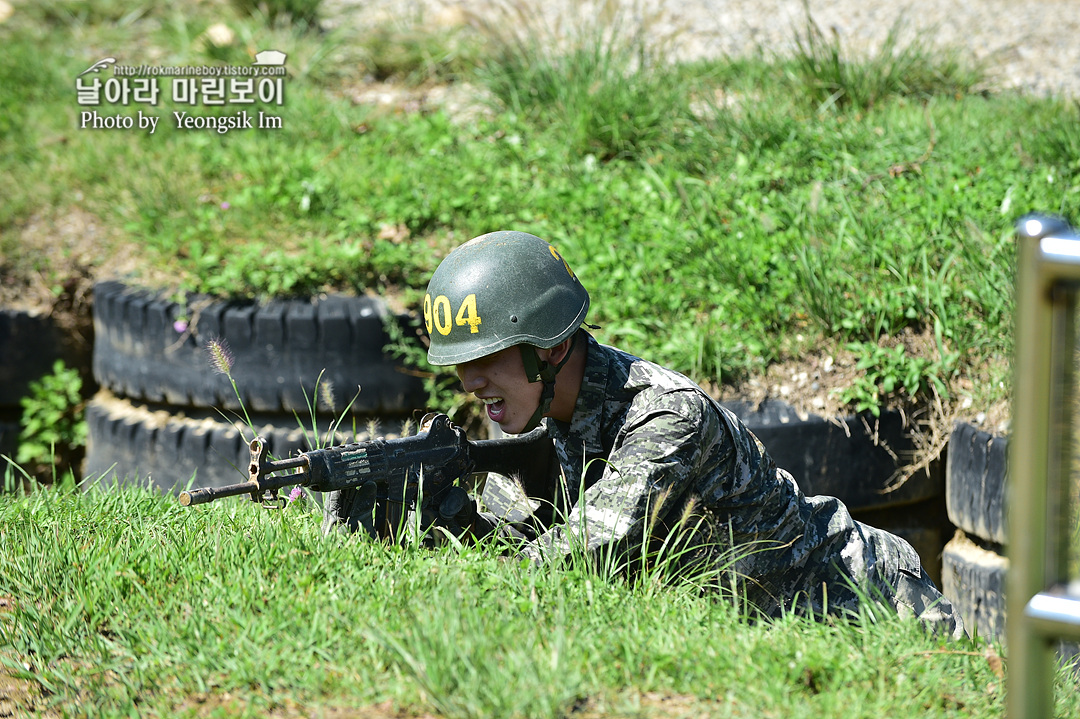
point(974, 562)
point(187, 381)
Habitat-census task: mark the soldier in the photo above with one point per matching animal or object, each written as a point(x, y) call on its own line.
point(649, 462)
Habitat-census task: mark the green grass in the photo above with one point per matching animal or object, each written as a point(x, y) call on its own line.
point(125, 603)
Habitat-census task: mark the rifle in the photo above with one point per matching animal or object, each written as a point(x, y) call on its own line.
point(391, 474)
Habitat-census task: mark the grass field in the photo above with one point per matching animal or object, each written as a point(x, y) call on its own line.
point(232, 610)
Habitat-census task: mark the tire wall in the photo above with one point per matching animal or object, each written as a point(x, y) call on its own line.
point(282, 351)
point(170, 450)
point(165, 414)
point(975, 562)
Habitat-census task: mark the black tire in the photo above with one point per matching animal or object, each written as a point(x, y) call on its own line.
point(9, 438)
point(976, 483)
point(280, 350)
point(29, 345)
point(131, 443)
point(840, 459)
point(975, 581)
point(973, 578)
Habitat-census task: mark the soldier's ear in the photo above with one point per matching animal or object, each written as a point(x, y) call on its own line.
point(559, 351)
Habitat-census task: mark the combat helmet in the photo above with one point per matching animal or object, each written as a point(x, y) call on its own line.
point(499, 290)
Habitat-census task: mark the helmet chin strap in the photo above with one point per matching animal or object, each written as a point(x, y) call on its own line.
point(537, 370)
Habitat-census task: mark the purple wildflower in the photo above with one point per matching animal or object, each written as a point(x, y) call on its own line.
point(296, 493)
point(225, 205)
point(180, 326)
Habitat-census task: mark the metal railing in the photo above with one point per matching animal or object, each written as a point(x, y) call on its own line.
point(1042, 605)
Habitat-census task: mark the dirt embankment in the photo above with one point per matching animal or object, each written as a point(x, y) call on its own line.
point(1023, 44)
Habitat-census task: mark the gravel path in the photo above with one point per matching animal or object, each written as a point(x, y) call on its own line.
point(1033, 45)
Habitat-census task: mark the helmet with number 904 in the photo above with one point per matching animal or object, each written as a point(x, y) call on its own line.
point(499, 290)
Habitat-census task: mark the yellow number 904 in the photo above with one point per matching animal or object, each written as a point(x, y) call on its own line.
point(437, 314)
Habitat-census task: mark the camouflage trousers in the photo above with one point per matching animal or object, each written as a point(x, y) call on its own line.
point(850, 564)
point(873, 566)
point(899, 579)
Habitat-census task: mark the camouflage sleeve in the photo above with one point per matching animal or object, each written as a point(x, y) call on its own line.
point(654, 460)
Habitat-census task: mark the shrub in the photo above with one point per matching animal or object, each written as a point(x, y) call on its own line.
point(52, 427)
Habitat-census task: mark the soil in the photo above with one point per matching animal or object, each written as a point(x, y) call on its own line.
point(80, 248)
point(812, 381)
point(20, 698)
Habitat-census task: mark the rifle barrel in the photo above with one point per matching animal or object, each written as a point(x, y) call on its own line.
point(209, 494)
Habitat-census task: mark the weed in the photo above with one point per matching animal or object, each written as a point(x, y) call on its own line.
point(830, 78)
point(606, 89)
point(52, 425)
point(415, 54)
point(221, 361)
point(893, 371)
point(1059, 139)
point(92, 12)
point(323, 397)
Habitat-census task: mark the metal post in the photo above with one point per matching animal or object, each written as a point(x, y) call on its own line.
point(1040, 606)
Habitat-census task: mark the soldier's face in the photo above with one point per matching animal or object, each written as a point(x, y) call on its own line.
point(499, 380)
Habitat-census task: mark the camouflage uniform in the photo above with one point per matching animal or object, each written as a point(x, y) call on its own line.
point(649, 454)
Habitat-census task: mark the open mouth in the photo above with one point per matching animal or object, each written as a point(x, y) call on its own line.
point(495, 406)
